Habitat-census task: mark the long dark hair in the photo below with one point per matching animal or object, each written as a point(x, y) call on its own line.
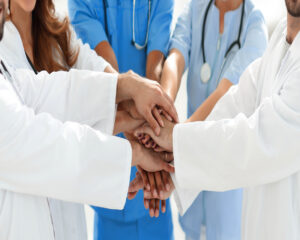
point(51, 39)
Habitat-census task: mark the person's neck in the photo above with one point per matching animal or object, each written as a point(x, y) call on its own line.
point(225, 6)
point(23, 22)
point(293, 27)
point(228, 5)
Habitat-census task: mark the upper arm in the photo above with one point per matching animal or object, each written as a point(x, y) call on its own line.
point(160, 26)
point(253, 47)
point(182, 36)
point(87, 23)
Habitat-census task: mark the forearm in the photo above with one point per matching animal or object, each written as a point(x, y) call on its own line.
point(104, 50)
point(172, 73)
point(110, 69)
point(207, 106)
point(155, 61)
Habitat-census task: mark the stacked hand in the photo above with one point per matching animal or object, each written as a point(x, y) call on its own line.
point(157, 185)
point(147, 116)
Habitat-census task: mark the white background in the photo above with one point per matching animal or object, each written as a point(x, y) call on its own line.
point(273, 10)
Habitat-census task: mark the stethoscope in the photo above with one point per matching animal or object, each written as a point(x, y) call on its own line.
point(206, 70)
point(134, 43)
point(9, 77)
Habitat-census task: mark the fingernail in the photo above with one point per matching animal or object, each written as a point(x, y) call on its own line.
point(157, 130)
point(156, 213)
point(161, 193)
point(148, 187)
point(163, 209)
point(155, 193)
point(151, 212)
point(168, 187)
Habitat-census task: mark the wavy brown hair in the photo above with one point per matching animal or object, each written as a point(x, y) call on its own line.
point(52, 49)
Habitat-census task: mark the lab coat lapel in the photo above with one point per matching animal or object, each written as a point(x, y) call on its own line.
point(288, 64)
point(271, 65)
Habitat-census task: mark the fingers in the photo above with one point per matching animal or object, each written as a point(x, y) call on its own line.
point(152, 184)
point(166, 115)
point(152, 207)
point(168, 157)
point(145, 178)
point(167, 167)
point(159, 184)
point(142, 131)
point(167, 104)
point(152, 122)
point(165, 177)
point(132, 195)
point(163, 206)
point(158, 117)
point(135, 185)
point(156, 211)
point(146, 203)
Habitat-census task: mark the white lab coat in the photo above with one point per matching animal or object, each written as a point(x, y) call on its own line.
point(251, 141)
point(84, 97)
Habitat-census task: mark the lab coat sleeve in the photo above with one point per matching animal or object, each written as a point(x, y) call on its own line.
point(160, 27)
point(89, 28)
point(240, 98)
point(68, 161)
point(81, 96)
point(253, 47)
point(244, 151)
point(87, 58)
point(182, 36)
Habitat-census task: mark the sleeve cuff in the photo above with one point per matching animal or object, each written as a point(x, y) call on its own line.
point(183, 198)
point(232, 76)
point(176, 44)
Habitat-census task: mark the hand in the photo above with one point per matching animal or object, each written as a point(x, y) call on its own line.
point(146, 95)
point(158, 180)
point(126, 123)
point(165, 140)
point(129, 107)
point(149, 160)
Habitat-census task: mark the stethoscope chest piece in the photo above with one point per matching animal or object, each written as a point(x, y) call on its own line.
point(205, 73)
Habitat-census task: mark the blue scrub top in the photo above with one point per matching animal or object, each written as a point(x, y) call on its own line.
point(88, 20)
point(220, 212)
point(187, 39)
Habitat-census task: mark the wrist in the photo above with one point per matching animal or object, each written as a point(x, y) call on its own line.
point(135, 153)
point(127, 86)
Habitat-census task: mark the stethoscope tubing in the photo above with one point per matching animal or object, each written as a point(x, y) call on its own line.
point(134, 43)
point(237, 42)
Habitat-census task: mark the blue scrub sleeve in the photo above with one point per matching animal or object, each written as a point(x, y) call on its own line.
point(255, 44)
point(85, 22)
point(182, 36)
point(160, 26)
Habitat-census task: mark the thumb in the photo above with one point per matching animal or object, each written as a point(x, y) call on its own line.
point(136, 184)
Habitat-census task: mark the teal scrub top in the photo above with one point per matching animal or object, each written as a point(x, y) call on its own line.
point(88, 20)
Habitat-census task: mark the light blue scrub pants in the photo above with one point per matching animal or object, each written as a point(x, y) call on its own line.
point(145, 228)
point(219, 212)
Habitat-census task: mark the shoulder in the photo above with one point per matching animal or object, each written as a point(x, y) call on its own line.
point(252, 12)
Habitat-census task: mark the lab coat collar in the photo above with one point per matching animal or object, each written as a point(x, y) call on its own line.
point(13, 43)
